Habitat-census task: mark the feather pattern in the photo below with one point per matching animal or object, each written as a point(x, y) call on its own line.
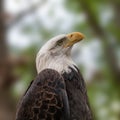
point(46, 98)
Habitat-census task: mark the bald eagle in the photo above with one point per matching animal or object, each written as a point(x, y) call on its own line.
point(58, 92)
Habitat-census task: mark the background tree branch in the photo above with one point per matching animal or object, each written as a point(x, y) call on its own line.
point(107, 46)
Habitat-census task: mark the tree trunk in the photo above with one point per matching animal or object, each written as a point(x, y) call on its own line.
point(6, 102)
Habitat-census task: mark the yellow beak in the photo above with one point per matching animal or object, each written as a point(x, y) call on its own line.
point(74, 38)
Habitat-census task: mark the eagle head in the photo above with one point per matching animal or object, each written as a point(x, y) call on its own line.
point(55, 54)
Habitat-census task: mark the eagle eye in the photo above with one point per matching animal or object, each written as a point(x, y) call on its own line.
point(60, 42)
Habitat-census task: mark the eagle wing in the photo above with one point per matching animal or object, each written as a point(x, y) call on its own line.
point(77, 95)
point(45, 99)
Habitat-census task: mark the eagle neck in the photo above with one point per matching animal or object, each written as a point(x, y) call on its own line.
point(60, 63)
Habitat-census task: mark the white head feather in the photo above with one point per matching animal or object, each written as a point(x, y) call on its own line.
point(55, 57)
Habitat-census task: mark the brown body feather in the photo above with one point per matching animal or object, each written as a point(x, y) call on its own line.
point(46, 98)
point(77, 96)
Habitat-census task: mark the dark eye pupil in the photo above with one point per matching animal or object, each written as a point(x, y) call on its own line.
point(60, 42)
